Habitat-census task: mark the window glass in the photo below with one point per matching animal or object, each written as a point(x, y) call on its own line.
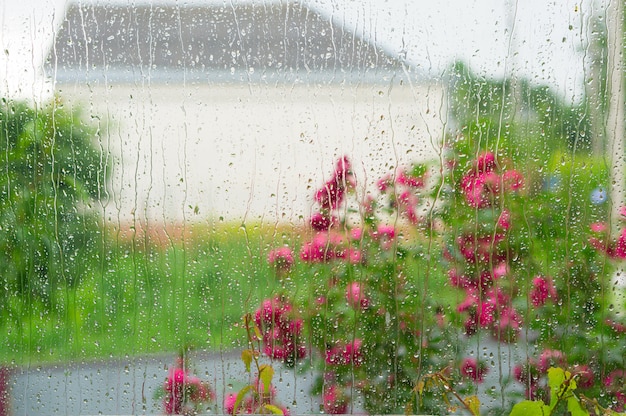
point(312, 207)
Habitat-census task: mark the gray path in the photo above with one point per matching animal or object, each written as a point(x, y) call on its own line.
point(128, 386)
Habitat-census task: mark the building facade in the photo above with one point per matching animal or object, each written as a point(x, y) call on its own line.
point(237, 111)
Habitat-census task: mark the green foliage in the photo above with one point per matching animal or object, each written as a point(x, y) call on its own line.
point(52, 171)
point(258, 397)
point(563, 399)
point(530, 122)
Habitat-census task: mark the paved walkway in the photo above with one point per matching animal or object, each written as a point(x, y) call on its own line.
point(128, 386)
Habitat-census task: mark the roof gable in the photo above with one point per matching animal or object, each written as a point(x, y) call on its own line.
point(263, 38)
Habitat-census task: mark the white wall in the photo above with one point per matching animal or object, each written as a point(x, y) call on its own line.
point(188, 153)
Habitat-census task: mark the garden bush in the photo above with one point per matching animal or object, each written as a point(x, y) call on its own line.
point(410, 284)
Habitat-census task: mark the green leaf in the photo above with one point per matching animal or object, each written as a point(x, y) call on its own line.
point(530, 408)
point(418, 170)
point(473, 404)
point(266, 373)
point(574, 407)
point(556, 378)
point(274, 409)
point(242, 393)
point(246, 357)
point(257, 333)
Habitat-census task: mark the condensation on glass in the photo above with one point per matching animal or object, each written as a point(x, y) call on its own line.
point(382, 209)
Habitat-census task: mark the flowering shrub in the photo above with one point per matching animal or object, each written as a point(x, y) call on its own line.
point(184, 393)
point(259, 397)
point(407, 281)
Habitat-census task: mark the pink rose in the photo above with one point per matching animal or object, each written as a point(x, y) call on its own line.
point(281, 258)
point(472, 369)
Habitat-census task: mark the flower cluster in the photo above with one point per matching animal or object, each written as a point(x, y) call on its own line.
point(403, 190)
point(363, 280)
point(258, 400)
point(331, 195)
point(484, 183)
point(184, 393)
point(280, 329)
point(480, 254)
point(615, 385)
point(375, 328)
point(281, 259)
point(348, 354)
point(615, 249)
point(334, 400)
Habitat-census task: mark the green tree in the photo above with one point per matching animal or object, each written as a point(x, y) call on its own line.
point(51, 172)
point(529, 124)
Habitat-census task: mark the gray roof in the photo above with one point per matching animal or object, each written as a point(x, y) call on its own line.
point(276, 40)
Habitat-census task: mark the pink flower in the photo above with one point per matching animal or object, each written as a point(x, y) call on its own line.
point(324, 247)
point(355, 296)
point(614, 250)
point(229, 403)
point(408, 204)
point(471, 325)
point(543, 289)
point(486, 313)
point(614, 384)
point(281, 331)
point(620, 246)
point(585, 376)
point(598, 227)
point(616, 326)
point(356, 234)
point(498, 297)
point(504, 221)
point(335, 356)
point(174, 386)
point(322, 222)
point(500, 270)
point(485, 162)
point(354, 256)
point(352, 353)
point(476, 189)
point(270, 312)
point(384, 231)
point(332, 193)
point(182, 389)
point(470, 368)
point(281, 258)
point(384, 183)
point(385, 235)
point(458, 280)
point(507, 329)
point(408, 180)
point(348, 354)
point(471, 300)
point(343, 169)
point(334, 400)
point(616, 378)
point(513, 180)
point(550, 358)
point(474, 248)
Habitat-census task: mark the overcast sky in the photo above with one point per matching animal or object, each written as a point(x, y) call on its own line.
point(547, 42)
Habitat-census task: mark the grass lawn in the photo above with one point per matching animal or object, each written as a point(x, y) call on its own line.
point(154, 294)
point(147, 295)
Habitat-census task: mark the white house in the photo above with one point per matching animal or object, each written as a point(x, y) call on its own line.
point(237, 110)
